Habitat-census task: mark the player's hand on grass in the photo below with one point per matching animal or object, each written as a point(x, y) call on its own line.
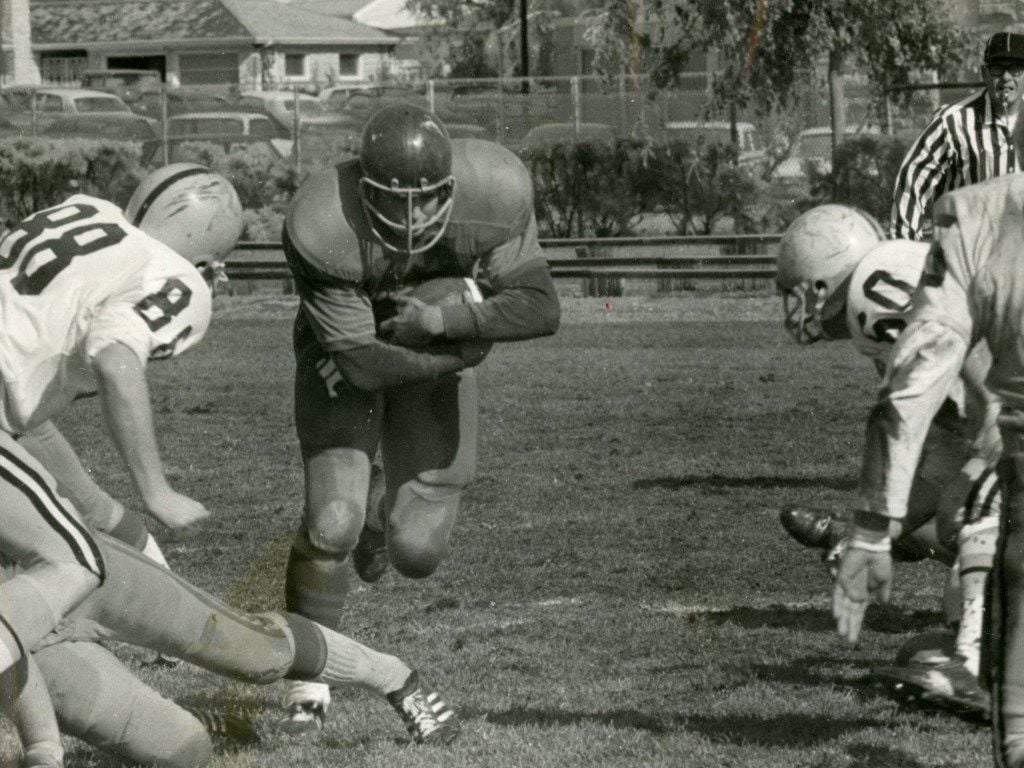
point(863, 575)
point(415, 324)
point(175, 510)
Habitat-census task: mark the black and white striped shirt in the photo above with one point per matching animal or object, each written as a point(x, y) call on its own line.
point(963, 144)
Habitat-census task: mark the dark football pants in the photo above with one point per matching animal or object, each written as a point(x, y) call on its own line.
point(427, 436)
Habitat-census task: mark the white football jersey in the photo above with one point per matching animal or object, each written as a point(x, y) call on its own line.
point(881, 295)
point(74, 279)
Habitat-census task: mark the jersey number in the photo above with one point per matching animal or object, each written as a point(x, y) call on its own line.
point(897, 298)
point(158, 309)
point(44, 260)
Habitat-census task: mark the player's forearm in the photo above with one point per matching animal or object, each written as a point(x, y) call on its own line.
point(380, 366)
point(923, 369)
point(129, 416)
point(526, 307)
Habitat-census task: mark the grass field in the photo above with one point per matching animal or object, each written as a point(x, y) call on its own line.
point(619, 592)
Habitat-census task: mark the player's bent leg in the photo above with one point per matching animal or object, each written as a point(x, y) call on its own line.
point(420, 527)
point(58, 559)
point(317, 577)
point(101, 702)
point(26, 702)
point(430, 449)
point(1005, 653)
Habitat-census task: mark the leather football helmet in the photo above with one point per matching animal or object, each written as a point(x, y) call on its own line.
point(189, 208)
point(817, 256)
point(406, 162)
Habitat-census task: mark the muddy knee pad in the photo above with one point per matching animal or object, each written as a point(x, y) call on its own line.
point(333, 527)
point(101, 702)
point(316, 583)
point(420, 526)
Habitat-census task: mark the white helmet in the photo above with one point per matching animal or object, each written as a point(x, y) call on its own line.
point(189, 208)
point(817, 255)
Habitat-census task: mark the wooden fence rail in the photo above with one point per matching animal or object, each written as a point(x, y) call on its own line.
point(712, 257)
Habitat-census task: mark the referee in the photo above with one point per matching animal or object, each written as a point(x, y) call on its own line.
point(965, 142)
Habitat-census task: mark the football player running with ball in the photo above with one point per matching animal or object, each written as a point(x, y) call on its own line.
point(385, 361)
point(972, 290)
point(840, 280)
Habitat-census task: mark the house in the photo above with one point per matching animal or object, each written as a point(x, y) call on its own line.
point(241, 44)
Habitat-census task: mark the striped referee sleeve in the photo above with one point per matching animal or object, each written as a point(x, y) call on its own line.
point(923, 169)
point(963, 144)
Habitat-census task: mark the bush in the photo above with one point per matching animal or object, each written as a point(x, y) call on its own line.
point(863, 174)
point(38, 173)
point(591, 188)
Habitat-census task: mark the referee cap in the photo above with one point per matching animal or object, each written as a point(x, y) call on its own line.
point(1005, 46)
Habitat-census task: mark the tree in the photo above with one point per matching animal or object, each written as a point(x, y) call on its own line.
point(767, 49)
point(467, 34)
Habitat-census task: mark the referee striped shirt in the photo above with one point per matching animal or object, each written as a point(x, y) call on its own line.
point(963, 144)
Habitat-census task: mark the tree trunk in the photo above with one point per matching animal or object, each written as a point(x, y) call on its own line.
point(837, 103)
point(16, 29)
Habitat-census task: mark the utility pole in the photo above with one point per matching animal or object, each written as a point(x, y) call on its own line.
point(524, 47)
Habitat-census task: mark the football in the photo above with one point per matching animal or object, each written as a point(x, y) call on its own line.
point(454, 290)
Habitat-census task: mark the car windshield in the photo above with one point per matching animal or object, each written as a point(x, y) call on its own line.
point(306, 107)
point(100, 104)
point(207, 126)
point(816, 146)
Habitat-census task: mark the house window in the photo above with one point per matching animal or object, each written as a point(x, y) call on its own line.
point(348, 64)
point(208, 68)
point(62, 66)
point(294, 65)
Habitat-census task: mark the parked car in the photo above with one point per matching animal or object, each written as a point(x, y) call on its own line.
point(180, 100)
point(811, 146)
point(225, 129)
point(127, 84)
point(751, 148)
point(542, 138)
point(468, 131)
point(365, 98)
point(51, 100)
point(280, 105)
point(113, 125)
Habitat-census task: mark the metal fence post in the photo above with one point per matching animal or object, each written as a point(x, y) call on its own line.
point(296, 134)
point(574, 90)
point(431, 98)
point(164, 143)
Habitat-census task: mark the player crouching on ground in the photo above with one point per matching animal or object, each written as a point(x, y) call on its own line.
point(385, 356)
point(840, 280)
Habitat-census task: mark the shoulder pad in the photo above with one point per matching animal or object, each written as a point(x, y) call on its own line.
point(323, 218)
point(493, 196)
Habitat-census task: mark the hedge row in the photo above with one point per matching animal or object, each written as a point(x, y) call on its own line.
point(587, 189)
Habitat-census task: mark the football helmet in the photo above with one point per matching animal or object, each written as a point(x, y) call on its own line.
point(189, 208)
point(817, 255)
point(406, 187)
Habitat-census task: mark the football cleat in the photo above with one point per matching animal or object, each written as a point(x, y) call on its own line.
point(427, 718)
point(812, 528)
point(302, 718)
point(949, 685)
point(370, 557)
point(226, 726)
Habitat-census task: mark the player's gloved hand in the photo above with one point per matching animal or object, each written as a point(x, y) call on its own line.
point(175, 510)
point(415, 324)
point(865, 572)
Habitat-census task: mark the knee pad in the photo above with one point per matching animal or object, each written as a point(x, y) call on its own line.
point(333, 528)
point(420, 526)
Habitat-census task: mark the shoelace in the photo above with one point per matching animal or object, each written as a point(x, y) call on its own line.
point(421, 714)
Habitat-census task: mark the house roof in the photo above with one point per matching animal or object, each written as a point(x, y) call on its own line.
point(276, 22)
point(344, 8)
point(68, 24)
point(391, 15)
